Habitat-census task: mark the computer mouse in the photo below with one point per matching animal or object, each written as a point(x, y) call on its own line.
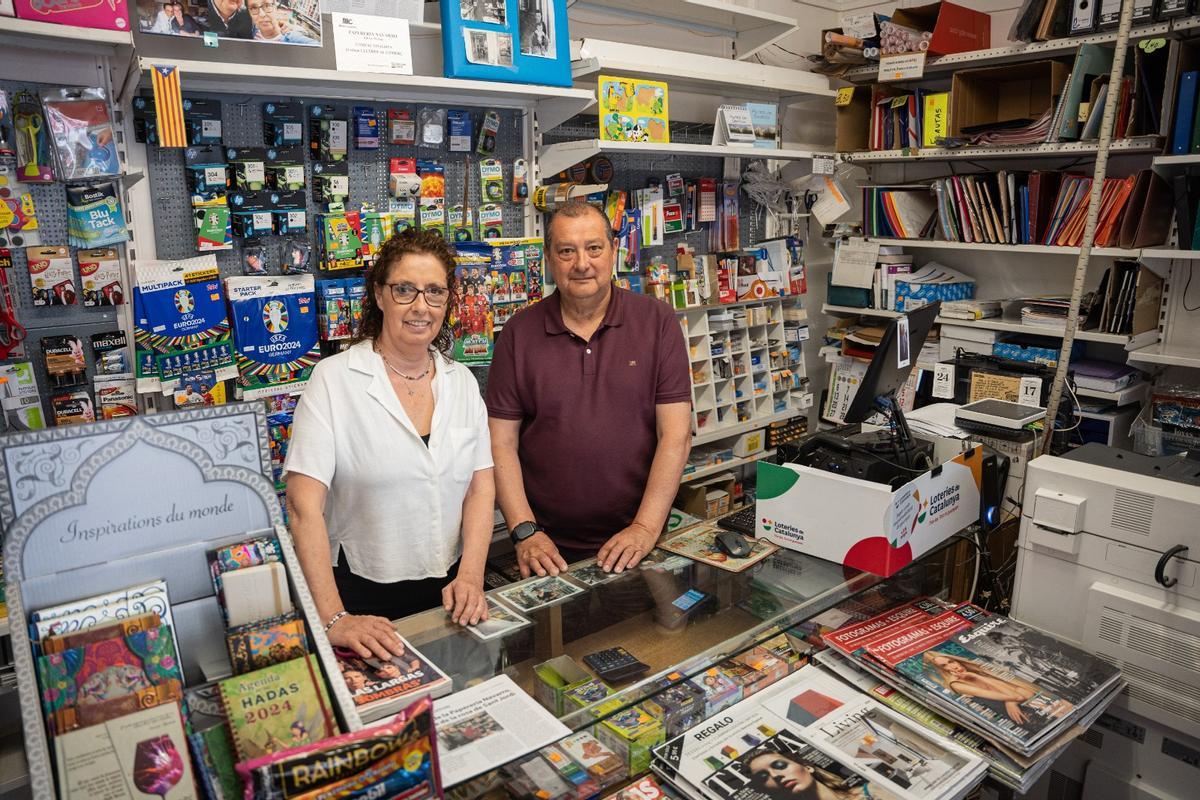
point(733, 544)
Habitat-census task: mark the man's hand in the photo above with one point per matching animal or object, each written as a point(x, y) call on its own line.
point(624, 550)
point(464, 601)
point(368, 636)
point(538, 555)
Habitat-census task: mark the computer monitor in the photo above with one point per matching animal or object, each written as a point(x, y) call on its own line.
point(884, 375)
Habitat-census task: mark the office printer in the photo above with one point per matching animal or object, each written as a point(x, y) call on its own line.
point(1109, 559)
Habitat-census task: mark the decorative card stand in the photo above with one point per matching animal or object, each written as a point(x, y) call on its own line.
point(99, 507)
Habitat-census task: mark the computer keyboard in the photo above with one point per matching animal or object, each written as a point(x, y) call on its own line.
point(740, 521)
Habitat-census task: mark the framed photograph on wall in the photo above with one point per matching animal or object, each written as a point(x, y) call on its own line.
point(521, 41)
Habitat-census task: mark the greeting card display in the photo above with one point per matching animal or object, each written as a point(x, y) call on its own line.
point(521, 41)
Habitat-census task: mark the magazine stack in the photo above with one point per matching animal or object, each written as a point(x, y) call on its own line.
point(1012, 695)
point(810, 733)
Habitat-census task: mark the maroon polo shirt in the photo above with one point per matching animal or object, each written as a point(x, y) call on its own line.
point(588, 430)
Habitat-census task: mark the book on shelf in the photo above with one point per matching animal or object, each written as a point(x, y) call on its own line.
point(99, 681)
point(214, 757)
point(143, 753)
point(380, 687)
point(970, 309)
point(899, 212)
point(810, 726)
point(1011, 684)
point(260, 644)
point(278, 707)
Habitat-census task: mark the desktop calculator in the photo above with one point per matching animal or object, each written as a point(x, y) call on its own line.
point(615, 664)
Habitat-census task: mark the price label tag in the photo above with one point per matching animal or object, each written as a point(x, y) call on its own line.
point(1031, 392)
point(902, 67)
point(861, 25)
point(943, 381)
point(844, 96)
point(823, 163)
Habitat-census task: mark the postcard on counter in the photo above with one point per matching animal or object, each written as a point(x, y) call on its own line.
point(538, 593)
point(501, 622)
point(700, 544)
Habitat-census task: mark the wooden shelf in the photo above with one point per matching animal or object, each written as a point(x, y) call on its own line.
point(1143, 144)
point(1167, 355)
point(698, 74)
point(554, 104)
point(1024, 51)
point(716, 434)
point(713, 469)
point(1043, 249)
point(555, 158)
point(750, 28)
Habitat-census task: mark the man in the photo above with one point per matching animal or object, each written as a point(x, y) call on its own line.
point(589, 405)
point(228, 19)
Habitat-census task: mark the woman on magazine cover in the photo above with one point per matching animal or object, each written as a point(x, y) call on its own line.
point(786, 777)
point(1003, 695)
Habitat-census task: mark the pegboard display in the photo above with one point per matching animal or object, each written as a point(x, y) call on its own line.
point(242, 126)
point(50, 203)
point(631, 171)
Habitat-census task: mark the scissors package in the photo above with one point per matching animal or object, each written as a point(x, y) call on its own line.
point(100, 277)
point(81, 131)
point(275, 327)
point(51, 276)
point(18, 216)
point(33, 144)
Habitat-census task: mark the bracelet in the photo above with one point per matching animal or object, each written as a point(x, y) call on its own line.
point(334, 619)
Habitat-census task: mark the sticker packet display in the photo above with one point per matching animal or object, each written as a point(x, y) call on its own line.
point(51, 276)
point(100, 277)
point(275, 325)
point(94, 215)
point(179, 316)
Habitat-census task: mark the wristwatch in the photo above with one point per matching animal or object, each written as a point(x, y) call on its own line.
point(524, 530)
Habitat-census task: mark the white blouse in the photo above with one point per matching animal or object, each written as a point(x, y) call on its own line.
point(394, 507)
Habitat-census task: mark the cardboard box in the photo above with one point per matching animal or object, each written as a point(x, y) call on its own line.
point(956, 29)
point(749, 444)
point(631, 734)
point(865, 525)
point(693, 498)
point(113, 16)
point(853, 113)
point(998, 94)
point(554, 678)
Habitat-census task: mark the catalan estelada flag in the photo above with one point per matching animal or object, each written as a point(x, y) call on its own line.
point(168, 105)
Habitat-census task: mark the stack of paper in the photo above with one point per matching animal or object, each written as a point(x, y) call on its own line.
point(1047, 312)
point(970, 309)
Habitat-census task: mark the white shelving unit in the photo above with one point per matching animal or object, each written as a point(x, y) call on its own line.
point(741, 366)
point(1039, 249)
point(1141, 144)
point(1016, 326)
point(554, 105)
point(694, 73)
point(1167, 355)
point(751, 29)
point(713, 469)
point(881, 313)
point(1132, 393)
point(1025, 51)
point(555, 158)
point(30, 33)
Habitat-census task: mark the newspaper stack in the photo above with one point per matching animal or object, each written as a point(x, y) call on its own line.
point(1014, 695)
point(809, 731)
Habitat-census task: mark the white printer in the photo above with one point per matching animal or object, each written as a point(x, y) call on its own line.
point(1109, 559)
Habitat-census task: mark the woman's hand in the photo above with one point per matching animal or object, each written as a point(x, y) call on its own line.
point(464, 601)
point(367, 636)
point(1015, 713)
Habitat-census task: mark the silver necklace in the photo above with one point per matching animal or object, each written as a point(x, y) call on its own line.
point(409, 378)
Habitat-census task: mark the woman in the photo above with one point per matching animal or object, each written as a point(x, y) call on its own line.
point(389, 467)
point(785, 777)
point(968, 679)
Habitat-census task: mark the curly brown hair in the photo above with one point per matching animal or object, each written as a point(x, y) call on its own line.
point(410, 242)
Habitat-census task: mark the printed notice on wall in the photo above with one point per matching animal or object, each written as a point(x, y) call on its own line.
point(365, 43)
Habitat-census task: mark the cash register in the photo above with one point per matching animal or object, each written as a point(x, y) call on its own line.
point(891, 456)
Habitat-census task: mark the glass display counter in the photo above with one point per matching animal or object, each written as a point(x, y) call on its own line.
point(678, 616)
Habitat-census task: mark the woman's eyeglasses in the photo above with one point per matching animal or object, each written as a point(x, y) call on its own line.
point(405, 293)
